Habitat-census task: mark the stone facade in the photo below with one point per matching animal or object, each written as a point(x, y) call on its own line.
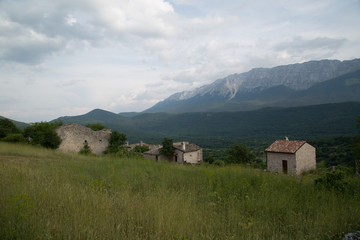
point(184, 152)
point(74, 136)
point(290, 157)
point(188, 153)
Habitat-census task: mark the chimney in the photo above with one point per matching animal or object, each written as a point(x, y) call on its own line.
point(286, 138)
point(183, 146)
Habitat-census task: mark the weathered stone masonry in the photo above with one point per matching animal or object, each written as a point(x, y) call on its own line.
point(73, 137)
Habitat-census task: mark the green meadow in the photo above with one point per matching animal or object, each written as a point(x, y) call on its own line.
point(46, 194)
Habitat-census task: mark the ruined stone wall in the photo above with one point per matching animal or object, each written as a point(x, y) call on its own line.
point(73, 137)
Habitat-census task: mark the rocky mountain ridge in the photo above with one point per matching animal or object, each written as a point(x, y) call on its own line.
point(300, 76)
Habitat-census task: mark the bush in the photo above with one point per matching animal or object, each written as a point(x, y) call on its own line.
point(7, 127)
point(140, 149)
point(239, 153)
point(14, 138)
point(219, 163)
point(86, 150)
point(332, 181)
point(96, 126)
point(116, 142)
point(209, 159)
point(43, 134)
point(259, 164)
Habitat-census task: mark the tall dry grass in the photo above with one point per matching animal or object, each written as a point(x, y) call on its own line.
point(47, 194)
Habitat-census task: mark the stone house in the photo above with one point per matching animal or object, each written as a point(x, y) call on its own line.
point(293, 157)
point(74, 136)
point(184, 152)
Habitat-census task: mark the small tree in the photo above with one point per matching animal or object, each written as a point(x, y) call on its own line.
point(116, 142)
point(44, 134)
point(86, 150)
point(141, 149)
point(167, 148)
point(239, 153)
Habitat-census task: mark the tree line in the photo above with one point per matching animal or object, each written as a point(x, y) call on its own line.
point(43, 134)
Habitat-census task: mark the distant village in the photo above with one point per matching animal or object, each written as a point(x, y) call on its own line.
point(283, 156)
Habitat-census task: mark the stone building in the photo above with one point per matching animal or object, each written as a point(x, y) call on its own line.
point(74, 137)
point(184, 152)
point(293, 157)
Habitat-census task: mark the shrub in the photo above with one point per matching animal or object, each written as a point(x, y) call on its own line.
point(86, 150)
point(140, 149)
point(43, 134)
point(116, 142)
point(332, 181)
point(259, 164)
point(219, 163)
point(239, 153)
point(209, 159)
point(14, 138)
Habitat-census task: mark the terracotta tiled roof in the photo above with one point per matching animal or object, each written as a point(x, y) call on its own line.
point(285, 146)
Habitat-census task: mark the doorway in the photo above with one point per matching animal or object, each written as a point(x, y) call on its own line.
point(285, 166)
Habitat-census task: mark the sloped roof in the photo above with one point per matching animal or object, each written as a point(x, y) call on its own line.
point(285, 146)
point(188, 147)
point(155, 152)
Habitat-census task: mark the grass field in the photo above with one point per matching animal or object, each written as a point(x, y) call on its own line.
point(52, 195)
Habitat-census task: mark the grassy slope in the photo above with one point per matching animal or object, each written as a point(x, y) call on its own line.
point(51, 195)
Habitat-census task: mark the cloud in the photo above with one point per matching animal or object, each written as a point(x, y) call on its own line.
point(125, 55)
point(320, 47)
point(137, 17)
point(49, 27)
point(52, 27)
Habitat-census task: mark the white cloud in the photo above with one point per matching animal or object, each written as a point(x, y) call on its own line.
point(125, 55)
point(70, 20)
point(317, 48)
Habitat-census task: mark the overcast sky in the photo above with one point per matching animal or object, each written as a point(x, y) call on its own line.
point(67, 57)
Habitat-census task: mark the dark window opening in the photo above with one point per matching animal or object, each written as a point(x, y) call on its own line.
point(285, 166)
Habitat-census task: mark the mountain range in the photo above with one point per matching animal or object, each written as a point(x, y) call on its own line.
point(312, 100)
point(309, 83)
point(216, 129)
